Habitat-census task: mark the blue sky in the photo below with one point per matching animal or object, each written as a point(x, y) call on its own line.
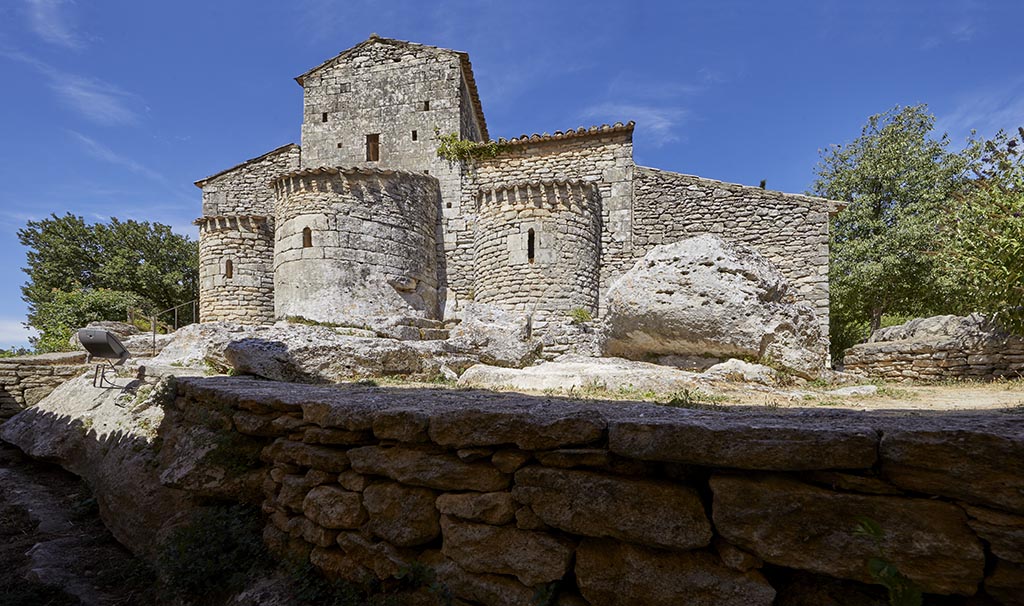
point(114, 107)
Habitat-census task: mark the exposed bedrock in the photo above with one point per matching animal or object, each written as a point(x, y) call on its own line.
point(704, 296)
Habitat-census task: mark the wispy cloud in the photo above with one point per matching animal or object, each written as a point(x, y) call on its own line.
point(14, 334)
point(102, 152)
point(986, 111)
point(659, 122)
point(49, 20)
point(95, 99)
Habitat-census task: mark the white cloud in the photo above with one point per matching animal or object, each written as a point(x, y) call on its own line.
point(49, 21)
point(14, 334)
point(660, 123)
point(99, 101)
point(986, 111)
point(102, 152)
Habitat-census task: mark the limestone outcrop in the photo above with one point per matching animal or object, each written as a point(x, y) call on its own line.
point(708, 297)
point(499, 337)
point(939, 347)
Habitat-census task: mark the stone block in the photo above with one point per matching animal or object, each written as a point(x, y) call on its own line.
point(403, 515)
point(441, 471)
point(332, 507)
point(795, 525)
point(532, 557)
point(490, 507)
point(648, 512)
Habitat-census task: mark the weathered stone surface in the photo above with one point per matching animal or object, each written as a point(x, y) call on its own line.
point(749, 441)
point(442, 471)
point(526, 519)
point(385, 560)
point(610, 573)
point(404, 515)
point(307, 455)
point(490, 507)
point(353, 481)
point(735, 558)
point(976, 458)
point(90, 433)
point(337, 565)
point(499, 337)
point(1005, 584)
point(575, 372)
point(401, 425)
point(332, 507)
point(532, 557)
point(1003, 532)
point(574, 457)
point(539, 426)
point(706, 296)
point(311, 532)
point(741, 372)
point(640, 511)
point(490, 589)
point(804, 589)
point(791, 524)
point(507, 461)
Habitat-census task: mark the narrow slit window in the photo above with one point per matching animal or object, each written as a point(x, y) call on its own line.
point(229, 269)
point(339, 146)
point(426, 106)
point(531, 245)
point(414, 136)
point(323, 117)
point(372, 148)
point(307, 237)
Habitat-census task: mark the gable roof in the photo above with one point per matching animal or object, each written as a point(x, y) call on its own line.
point(200, 183)
point(467, 70)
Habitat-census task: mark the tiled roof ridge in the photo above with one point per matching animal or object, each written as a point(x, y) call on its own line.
point(558, 135)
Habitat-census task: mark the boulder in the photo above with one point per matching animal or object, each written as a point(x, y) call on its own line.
point(332, 507)
point(738, 371)
point(795, 525)
point(707, 297)
point(109, 438)
point(498, 337)
point(305, 353)
point(571, 373)
point(610, 573)
point(648, 512)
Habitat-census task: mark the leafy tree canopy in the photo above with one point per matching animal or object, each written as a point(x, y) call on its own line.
point(896, 179)
point(80, 272)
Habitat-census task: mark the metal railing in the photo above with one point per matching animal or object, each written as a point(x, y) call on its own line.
point(154, 319)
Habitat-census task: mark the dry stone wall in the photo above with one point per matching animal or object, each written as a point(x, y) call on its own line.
point(25, 380)
point(941, 347)
point(236, 272)
point(538, 247)
point(790, 230)
point(353, 244)
point(507, 496)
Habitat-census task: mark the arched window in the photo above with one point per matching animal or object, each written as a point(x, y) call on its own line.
point(229, 269)
point(307, 237)
point(531, 245)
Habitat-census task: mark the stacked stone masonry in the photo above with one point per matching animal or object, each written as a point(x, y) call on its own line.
point(236, 271)
point(936, 360)
point(355, 243)
point(506, 496)
point(381, 104)
point(25, 380)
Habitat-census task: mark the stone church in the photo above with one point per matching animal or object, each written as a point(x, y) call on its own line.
point(365, 220)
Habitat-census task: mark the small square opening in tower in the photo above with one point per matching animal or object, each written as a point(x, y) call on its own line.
point(372, 148)
point(426, 106)
point(323, 117)
point(414, 136)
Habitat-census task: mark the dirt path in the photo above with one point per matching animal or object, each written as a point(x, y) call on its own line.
point(54, 549)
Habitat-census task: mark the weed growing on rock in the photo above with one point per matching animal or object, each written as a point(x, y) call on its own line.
point(902, 591)
point(696, 399)
point(580, 316)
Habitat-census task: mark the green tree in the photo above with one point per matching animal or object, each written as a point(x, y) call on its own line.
point(896, 179)
point(80, 272)
point(986, 257)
